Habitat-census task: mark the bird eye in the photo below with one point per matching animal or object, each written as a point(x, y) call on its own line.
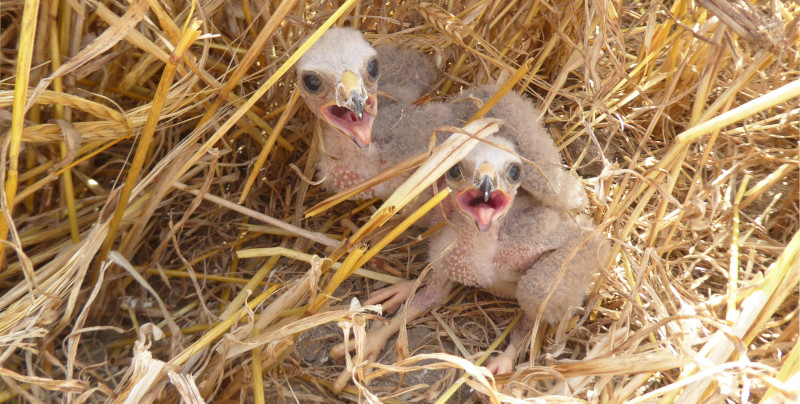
point(311, 82)
point(372, 68)
point(514, 172)
point(454, 173)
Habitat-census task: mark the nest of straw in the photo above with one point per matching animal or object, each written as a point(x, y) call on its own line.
point(153, 154)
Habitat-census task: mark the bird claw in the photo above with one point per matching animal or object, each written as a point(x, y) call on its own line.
point(377, 338)
point(392, 297)
point(337, 352)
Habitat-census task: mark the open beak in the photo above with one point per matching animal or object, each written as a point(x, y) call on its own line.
point(354, 109)
point(483, 200)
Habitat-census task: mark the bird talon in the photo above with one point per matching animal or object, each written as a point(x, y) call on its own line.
point(372, 348)
point(371, 351)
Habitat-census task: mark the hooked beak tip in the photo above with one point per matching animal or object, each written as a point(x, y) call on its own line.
point(358, 106)
point(486, 187)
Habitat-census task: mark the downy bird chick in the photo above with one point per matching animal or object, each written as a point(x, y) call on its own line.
point(507, 232)
point(338, 79)
point(484, 185)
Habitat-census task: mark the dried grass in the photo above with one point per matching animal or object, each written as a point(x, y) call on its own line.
point(187, 111)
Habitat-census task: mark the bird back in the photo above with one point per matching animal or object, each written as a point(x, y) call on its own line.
point(406, 75)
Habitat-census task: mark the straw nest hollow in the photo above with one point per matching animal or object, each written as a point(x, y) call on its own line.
point(158, 168)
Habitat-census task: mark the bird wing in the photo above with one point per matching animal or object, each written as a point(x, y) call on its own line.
point(546, 243)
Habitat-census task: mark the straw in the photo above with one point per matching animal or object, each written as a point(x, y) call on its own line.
point(190, 159)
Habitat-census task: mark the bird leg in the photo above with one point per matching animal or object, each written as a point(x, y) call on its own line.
point(504, 363)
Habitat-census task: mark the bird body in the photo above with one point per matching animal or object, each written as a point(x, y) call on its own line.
point(516, 252)
point(469, 245)
point(498, 259)
point(343, 164)
point(406, 75)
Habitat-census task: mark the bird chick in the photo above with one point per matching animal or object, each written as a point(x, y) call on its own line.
point(527, 246)
point(484, 185)
point(503, 239)
point(338, 79)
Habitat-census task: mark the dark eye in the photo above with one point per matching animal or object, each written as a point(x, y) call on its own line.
point(372, 69)
point(312, 83)
point(514, 173)
point(454, 173)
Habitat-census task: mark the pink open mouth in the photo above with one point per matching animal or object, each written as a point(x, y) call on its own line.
point(347, 121)
point(484, 213)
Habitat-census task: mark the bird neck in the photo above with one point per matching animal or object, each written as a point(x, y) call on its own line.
point(337, 144)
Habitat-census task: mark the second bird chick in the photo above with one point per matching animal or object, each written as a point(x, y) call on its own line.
point(499, 238)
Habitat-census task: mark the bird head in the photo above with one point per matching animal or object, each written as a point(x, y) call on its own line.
point(485, 182)
point(338, 79)
point(543, 174)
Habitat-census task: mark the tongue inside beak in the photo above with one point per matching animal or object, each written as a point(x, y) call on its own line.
point(348, 121)
point(483, 212)
point(484, 216)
